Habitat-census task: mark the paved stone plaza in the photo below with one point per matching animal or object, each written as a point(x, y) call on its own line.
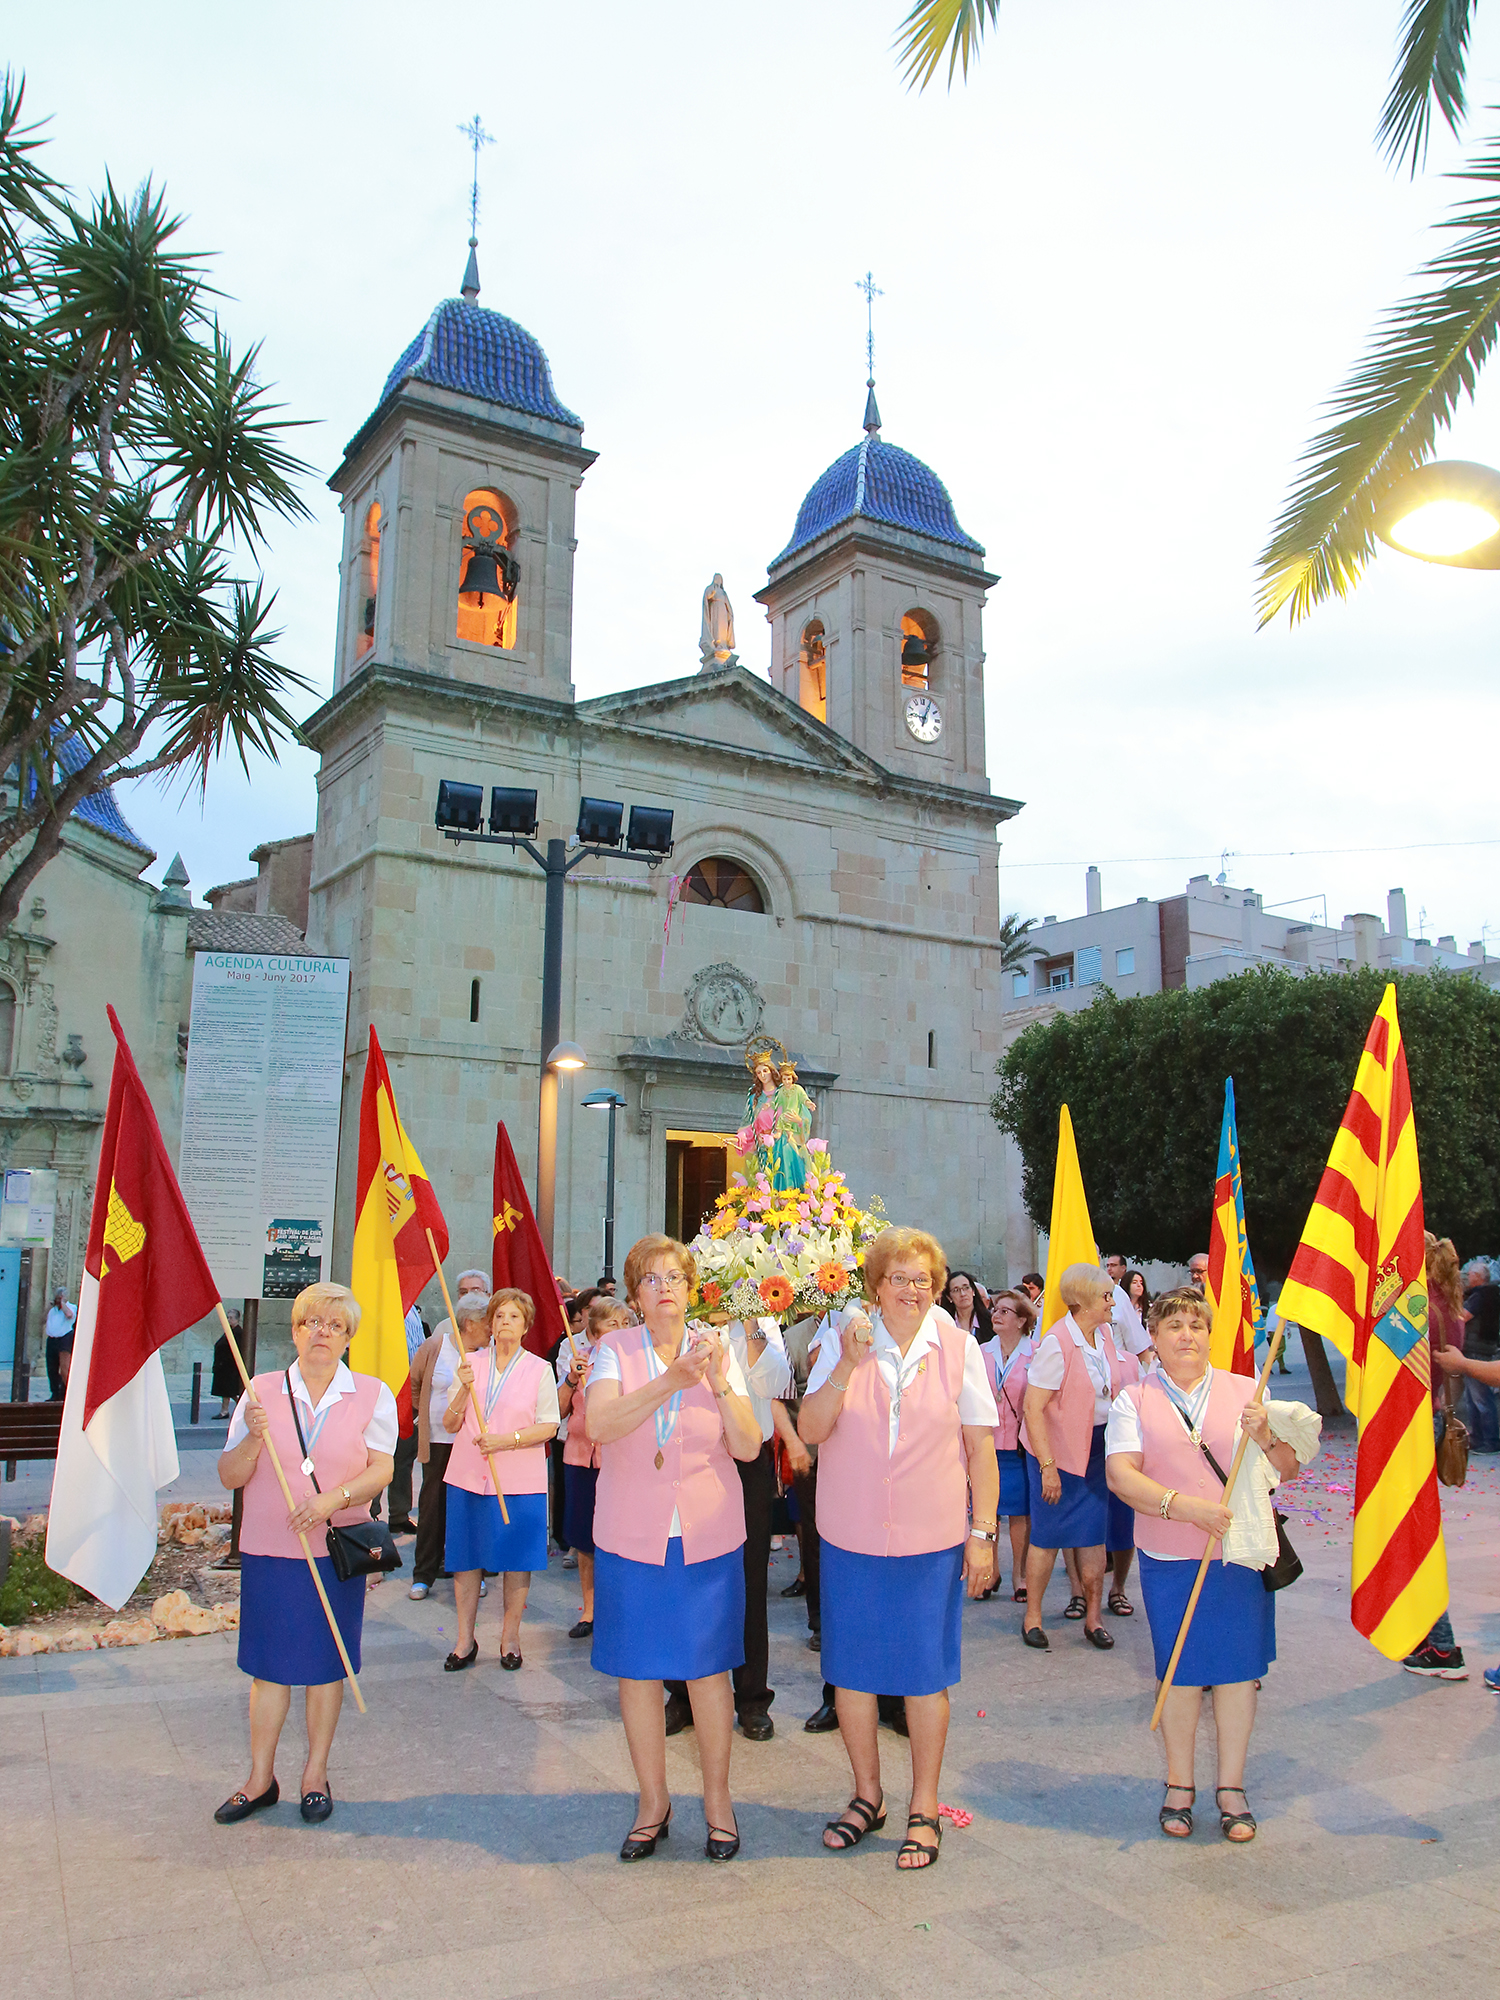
point(472, 1850)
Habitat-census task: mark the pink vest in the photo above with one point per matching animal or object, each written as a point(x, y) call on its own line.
point(873, 1501)
point(1070, 1414)
point(1130, 1367)
point(578, 1446)
point(1169, 1456)
point(339, 1456)
point(522, 1471)
point(635, 1498)
point(1008, 1400)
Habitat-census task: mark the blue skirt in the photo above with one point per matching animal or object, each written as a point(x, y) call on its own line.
point(284, 1635)
point(671, 1621)
point(1233, 1633)
point(892, 1624)
point(1080, 1518)
point(1119, 1531)
point(579, 1483)
point(1015, 1484)
point(477, 1538)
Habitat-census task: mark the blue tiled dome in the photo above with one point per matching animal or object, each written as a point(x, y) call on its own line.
point(879, 482)
point(96, 809)
point(481, 353)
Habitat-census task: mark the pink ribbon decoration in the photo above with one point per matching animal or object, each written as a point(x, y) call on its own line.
point(957, 1814)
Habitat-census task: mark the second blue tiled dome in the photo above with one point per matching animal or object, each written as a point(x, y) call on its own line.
point(880, 482)
point(481, 353)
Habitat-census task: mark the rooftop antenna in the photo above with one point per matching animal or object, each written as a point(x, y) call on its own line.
point(476, 135)
point(872, 292)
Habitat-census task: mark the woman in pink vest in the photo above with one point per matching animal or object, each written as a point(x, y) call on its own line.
point(1070, 1384)
point(904, 1418)
point(670, 1411)
point(575, 1359)
point(517, 1398)
point(350, 1424)
point(1159, 1469)
point(1006, 1359)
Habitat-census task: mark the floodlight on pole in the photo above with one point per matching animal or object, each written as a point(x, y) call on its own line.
point(1445, 512)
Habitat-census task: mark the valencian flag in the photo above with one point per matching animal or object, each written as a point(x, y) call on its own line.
point(394, 1207)
point(1231, 1274)
point(517, 1257)
point(145, 1280)
point(1070, 1234)
point(1359, 1279)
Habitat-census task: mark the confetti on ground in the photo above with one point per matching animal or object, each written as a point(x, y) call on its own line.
point(982, 1714)
point(957, 1814)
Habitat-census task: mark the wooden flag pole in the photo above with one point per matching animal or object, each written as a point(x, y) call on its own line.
point(286, 1491)
point(462, 1357)
point(1272, 1350)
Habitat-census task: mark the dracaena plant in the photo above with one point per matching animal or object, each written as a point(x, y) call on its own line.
point(140, 463)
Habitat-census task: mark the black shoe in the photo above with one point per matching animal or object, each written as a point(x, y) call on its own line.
point(455, 1663)
point(721, 1846)
point(796, 1588)
point(1437, 1664)
point(679, 1713)
point(240, 1807)
point(1099, 1637)
point(893, 1714)
point(822, 1719)
point(317, 1806)
point(582, 1629)
point(637, 1845)
point(815, 1642)
point(403, 1527)
point(1033, 1635)
point(511, 1662)
point(757, 1725)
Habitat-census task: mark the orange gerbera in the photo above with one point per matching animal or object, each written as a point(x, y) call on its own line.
point(832, 1278)
point(776, 1293)
point(712, 1293)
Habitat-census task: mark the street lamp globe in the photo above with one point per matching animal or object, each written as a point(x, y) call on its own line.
point(567, 1056)
point(1446, 512)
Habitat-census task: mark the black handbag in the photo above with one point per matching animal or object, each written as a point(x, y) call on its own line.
point(1288, 1564)
point(363, 1548)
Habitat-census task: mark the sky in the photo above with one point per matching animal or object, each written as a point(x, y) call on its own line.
point(1121, 267)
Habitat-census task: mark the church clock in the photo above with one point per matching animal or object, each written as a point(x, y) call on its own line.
point(924, 718)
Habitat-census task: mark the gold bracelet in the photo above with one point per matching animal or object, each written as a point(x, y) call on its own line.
point(1166, 1500)
point(1046, 1464)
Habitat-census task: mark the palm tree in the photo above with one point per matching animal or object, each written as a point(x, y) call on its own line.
point(1425, 352)
point(1014, 950)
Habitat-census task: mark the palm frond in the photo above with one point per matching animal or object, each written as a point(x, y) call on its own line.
point(1429, 72)
point(936, 27)
point(1425, 354)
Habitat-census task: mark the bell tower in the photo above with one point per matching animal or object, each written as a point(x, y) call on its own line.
point(876, 613)
point(458, 496)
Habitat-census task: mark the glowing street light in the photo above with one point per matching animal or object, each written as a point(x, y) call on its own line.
point(1446, 512)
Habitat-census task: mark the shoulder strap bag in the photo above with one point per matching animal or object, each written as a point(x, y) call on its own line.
point(1288, 1564)
point(364, 1548)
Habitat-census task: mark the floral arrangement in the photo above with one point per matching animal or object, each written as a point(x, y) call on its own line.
point(790, 1253)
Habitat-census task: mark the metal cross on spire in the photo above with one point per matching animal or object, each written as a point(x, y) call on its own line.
point(872, 292)
point(476, 135)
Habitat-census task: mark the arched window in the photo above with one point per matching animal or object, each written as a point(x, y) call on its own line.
point(724, 884)
point(7, 1028)
point(812, 666)
point(919, 646)
point(489, 576)
point(369, 577)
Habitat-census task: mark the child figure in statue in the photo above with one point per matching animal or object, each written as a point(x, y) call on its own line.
point(794, 1116)
point(778, 1115)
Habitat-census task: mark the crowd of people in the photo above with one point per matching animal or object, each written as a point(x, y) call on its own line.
point(892, 1437)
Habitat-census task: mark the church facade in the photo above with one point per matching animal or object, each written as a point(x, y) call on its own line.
point(833, 880)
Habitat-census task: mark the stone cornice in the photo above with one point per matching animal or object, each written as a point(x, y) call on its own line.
point(863, 537)
point(462, 416)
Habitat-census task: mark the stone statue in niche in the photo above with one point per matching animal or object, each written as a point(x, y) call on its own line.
point(716, 640)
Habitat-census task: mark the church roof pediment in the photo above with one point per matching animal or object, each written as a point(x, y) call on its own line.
point(733, 710)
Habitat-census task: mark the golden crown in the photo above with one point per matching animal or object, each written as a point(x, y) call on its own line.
point(764, 1048)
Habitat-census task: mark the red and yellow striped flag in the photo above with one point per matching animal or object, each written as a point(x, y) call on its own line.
point(394, 1207)
point(1359, 1278)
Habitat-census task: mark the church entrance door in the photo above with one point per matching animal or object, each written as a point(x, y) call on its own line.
point(698, 1168)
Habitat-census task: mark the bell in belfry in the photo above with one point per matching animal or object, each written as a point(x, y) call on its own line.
point(914, 650)
point(491, 571)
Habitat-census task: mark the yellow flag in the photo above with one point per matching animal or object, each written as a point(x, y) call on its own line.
point(1070, 1234)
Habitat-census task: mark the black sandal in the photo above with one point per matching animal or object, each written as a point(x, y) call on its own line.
point(1177, 1820)
point(1120, 1604)
point(638, 1843)
point(1076, 1608)
point(1229, 1821)
point(910, 1846)
point(849, 1834)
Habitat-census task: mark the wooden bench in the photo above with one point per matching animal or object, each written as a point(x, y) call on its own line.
point(28, 1430)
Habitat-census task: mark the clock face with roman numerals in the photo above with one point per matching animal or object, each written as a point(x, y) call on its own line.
point(924, 718)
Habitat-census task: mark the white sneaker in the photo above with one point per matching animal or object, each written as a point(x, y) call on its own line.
point(418, 1591)
point(570, 1560)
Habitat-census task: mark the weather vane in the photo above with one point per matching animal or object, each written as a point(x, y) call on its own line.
point(872, 292)
point(476, 135)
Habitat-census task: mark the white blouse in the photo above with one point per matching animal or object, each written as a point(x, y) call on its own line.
point(1046, 1371)
point(380, 1432)
point(976, 1400)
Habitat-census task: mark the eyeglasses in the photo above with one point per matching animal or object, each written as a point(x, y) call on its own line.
point(324, 1325)
point(903, 1281)
point(674, 1281)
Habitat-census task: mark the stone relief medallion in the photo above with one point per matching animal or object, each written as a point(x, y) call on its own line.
point(723, 1005)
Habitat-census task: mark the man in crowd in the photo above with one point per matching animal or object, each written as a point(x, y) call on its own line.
point(60, 1318)
point(1198, 1269)
point(1481, 1343)
point(1486, 1374)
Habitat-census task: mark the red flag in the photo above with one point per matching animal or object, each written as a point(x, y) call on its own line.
point(153, 1278)
point(517, 1257)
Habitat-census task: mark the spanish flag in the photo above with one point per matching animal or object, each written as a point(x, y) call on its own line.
point(1231, 1274)
point(1359, 1278)
point(1070, 1234)
point(394, 1209)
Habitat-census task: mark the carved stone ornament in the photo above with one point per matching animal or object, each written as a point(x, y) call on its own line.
point(722, 1005)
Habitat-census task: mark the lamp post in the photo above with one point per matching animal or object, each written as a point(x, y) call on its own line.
point(599, 1100)
point(512, 820)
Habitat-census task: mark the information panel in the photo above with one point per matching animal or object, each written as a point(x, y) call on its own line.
point(260, 1116)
